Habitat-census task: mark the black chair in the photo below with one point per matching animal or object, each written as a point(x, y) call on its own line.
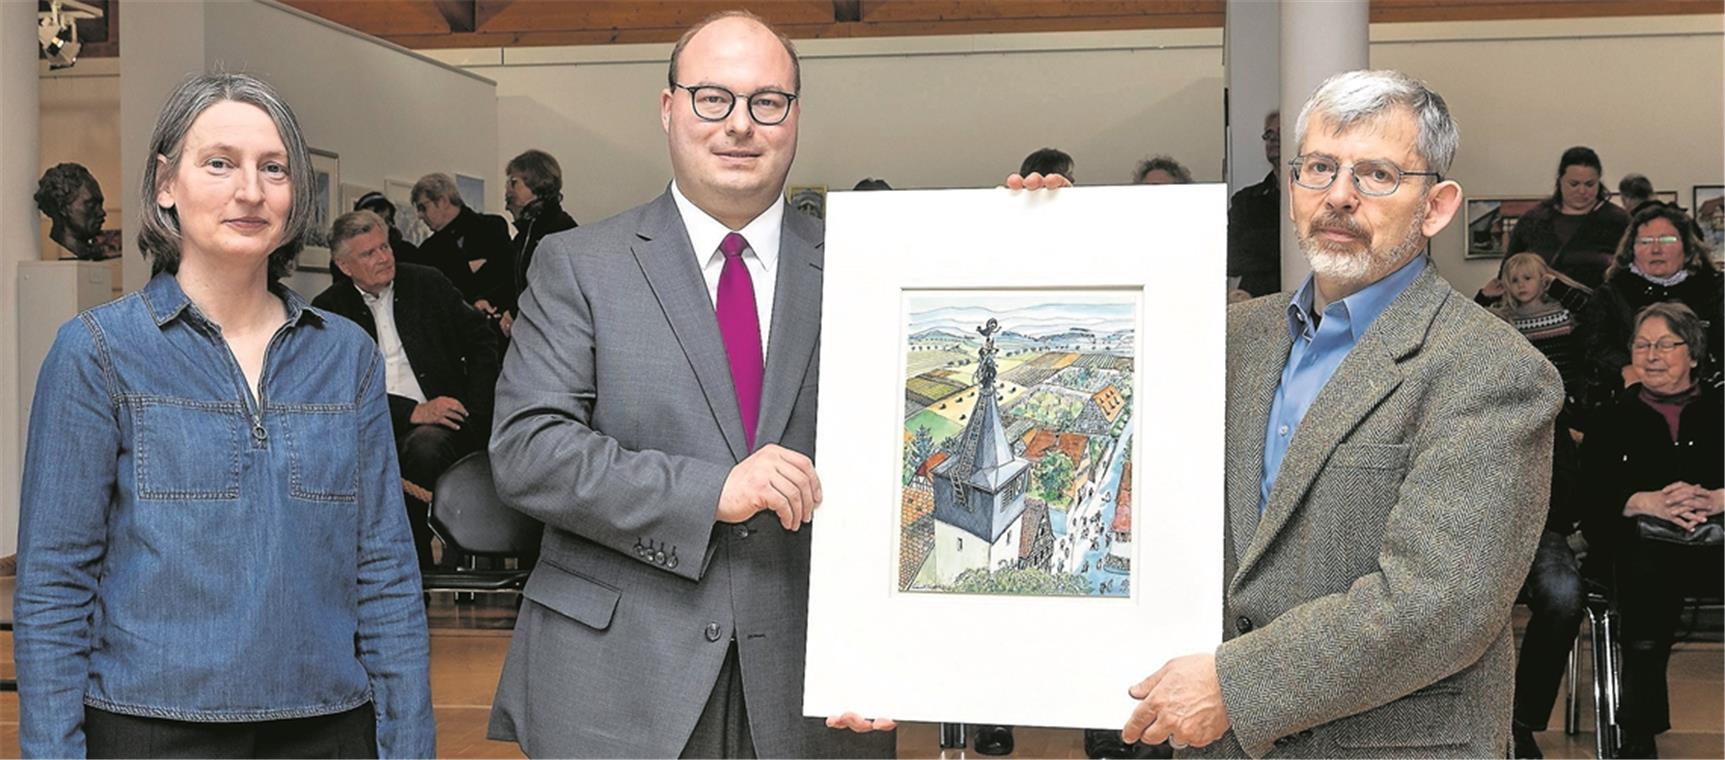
point(1603, 626)
point(468, 516)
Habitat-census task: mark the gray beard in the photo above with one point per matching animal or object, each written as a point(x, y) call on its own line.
point(1355, 269)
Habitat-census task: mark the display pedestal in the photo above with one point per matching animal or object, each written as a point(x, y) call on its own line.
point(49, 293)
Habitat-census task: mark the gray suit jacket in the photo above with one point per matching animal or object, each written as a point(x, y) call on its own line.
point(616, 426)
point(1367, 610)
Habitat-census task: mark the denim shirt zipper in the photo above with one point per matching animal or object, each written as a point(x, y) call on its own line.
point(254, 405)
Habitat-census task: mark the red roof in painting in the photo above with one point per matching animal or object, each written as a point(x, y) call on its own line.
point(931, 463)
point(1071, 443)
point(1123, 502)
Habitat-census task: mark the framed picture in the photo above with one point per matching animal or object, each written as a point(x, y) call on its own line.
point(400, 193)
point(809, 199)
point(1005, 445)
point(1708, 205)
point(350, 195)
point(472, 191)
point(325, 181)
point(1491, 221)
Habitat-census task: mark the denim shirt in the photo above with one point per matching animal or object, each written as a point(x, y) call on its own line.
point(190, 553)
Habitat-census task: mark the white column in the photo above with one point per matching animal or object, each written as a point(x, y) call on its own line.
point(1319, 38)
point(1251, 55)
point(19, 123)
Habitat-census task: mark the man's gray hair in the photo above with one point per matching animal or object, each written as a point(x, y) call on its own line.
point(1352, 98)
point(434, 187)
point(351, 225)
point(159, 228)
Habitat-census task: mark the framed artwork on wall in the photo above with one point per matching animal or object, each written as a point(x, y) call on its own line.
point(325, 184)
point(1007, 443)
point(350, 194)
point(400, 193)
point(1708, 205)
point(1490, 222)
point(472, 191)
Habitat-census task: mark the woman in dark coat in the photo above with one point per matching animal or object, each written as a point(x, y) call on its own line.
point(1575, 230)
point(1660, 259)
point(1656, 457)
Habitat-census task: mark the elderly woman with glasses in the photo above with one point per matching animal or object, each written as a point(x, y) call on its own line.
point(213, 556)
point(1656, 463)
point(1659, 259)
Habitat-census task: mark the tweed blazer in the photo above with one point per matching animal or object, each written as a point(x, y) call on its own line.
point(1366, 611)
point(617, 425)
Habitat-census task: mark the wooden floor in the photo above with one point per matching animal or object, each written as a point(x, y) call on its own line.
point(469, 640)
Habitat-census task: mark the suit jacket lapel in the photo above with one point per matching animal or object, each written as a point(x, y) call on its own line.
point(796, 323)
point(1368, 374)
point(667, 259)
point(1262, 351)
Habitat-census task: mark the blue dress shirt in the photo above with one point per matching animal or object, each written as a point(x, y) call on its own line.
point(1317, 351)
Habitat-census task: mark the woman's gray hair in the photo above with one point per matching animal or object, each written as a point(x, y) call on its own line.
point(1683, 321)
point(159, 231)
point(1351, 98)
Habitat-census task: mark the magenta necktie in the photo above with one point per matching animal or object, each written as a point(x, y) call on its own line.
point(740, 326)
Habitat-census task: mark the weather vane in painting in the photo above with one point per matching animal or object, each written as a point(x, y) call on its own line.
point(985, 356)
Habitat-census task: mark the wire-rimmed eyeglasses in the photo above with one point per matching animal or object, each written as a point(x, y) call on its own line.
point(711, 102)
point(1372, 177)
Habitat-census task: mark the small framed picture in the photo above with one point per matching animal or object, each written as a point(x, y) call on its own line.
point(1491, 221)
point(325, 186)
point(1709, 209)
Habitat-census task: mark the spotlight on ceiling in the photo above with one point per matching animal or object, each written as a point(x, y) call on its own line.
point(57, 30)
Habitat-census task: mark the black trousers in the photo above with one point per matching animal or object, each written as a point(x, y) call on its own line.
point(1652, 580)
point(723, 728)
point(426, 451)
point(345, 734)
point(1555, 594)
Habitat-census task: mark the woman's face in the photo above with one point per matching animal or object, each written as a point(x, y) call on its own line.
point(1658, 248)
point(1661, 357)
point(1525, 284)
point(1579, 186)
point(231, 188)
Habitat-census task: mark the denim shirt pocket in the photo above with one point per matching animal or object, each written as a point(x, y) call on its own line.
point(323, 451)
point(187, 449)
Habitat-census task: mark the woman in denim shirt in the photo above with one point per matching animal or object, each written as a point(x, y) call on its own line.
point(213, 555)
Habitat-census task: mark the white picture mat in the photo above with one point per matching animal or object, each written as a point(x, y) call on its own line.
point(1064, 661)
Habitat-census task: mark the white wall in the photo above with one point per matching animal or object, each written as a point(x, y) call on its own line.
point(962, 111)
point(386, 111)
point(18, 157)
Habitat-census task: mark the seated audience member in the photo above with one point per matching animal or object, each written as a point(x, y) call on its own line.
point(439, 356)
point(1161, 170)
point(1046, 161)
point(1575, 230)
point(1634, 191)
point(534, 196)
point(471, 249)
point(377, 203)
point(1553, 587)
point(1255, 221)
point(871, 183)
point(1659, 260)
point(1653, 460)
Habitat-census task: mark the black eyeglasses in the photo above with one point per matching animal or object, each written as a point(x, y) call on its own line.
point(1375, 178)
point(714, 103)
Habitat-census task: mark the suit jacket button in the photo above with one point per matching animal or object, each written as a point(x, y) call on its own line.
point(712, 631)
point(1306, 734)
point(742, 531)
point(1244, 624)
point(659, 557)
point(1281, 742)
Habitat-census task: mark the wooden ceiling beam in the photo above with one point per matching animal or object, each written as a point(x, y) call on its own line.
point(462, 15)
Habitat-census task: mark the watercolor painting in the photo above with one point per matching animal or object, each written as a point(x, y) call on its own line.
point(1017, 442)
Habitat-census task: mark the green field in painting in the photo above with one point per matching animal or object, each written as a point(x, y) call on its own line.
point(938, 426)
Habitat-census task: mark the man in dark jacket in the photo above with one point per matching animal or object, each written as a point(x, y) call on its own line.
point(1255, 222)
point(534, 196)
point(440, 357)
point(470, 248)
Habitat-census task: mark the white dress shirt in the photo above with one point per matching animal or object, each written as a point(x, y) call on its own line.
point(761, 257)
point(398, 374)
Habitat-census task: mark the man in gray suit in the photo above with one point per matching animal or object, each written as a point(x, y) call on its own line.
point(1389, 450)
point(657, 413)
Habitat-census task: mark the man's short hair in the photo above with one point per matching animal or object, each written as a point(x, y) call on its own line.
point(434, 187)
point(1635, 187)
point(351, 225)
point(683, 41)
point(541, 172)
point(1352, 98)
point(1166, 163)
point(60, 185)
point(1047, 161)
